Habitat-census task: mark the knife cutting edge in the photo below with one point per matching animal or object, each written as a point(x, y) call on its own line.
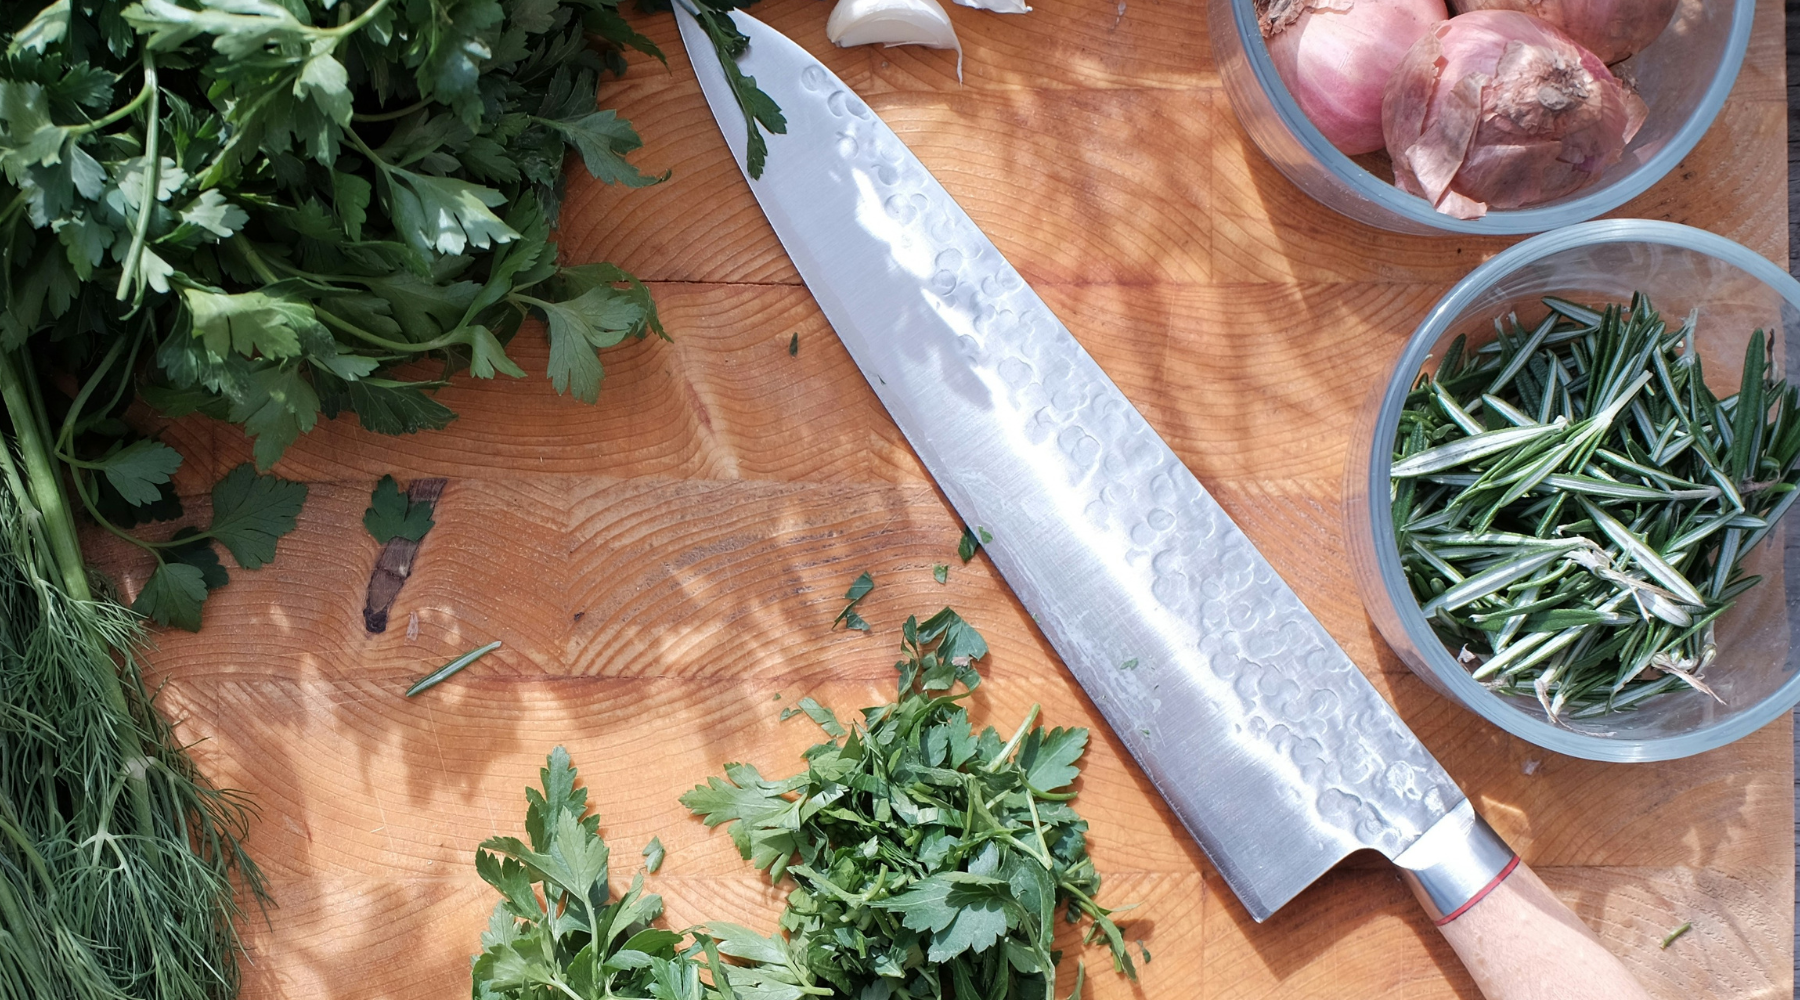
point(1263, 736)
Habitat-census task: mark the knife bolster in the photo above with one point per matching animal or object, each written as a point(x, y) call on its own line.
point(1455, 863)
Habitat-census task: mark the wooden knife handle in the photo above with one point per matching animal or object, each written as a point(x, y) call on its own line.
point(1517, 940)
point(1521, 943)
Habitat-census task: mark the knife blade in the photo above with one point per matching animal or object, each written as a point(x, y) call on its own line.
point(1263, 736)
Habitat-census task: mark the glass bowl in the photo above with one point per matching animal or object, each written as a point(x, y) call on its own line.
point(1684, 77)
point(1734, 291)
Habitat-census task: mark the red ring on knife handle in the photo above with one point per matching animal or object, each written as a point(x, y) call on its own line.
point(1478, 897)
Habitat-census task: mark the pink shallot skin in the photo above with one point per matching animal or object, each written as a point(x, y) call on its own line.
point(1611, 29)
point(1497, 109)
point(1336, 55)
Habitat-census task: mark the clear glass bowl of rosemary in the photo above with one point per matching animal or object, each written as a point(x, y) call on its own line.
point(1603, 545)
point(1683, 77)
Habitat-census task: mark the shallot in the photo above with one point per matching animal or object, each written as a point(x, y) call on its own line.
point(1497, 109)
point(1610, 29)
point(1336, 55)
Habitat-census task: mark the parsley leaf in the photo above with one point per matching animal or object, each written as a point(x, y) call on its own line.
point(967, 546)
point(251, 511)
point(196, 550)
point(759, 108)
point(653, 855)
point(1049, 757)
point(172, 596)
point(251, 323)
point(826, 719)
point(848, 617)
point(139, 469)
point(445, 214)
point(603, 139)
point(391, 515)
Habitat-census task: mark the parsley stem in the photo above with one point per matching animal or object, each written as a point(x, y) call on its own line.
point(1037, 825)
point(385, 166)
point(355, 24)
point(93, 509)
point(388, 116)
point(450, 339)
point(130, 106)
point(68, 425)
point(1006, 751)
point(557, 982)
point(12, 207)
point(268, 275)
point(147, 195)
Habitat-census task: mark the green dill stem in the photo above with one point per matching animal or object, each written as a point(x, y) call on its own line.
point(15, 919)
point(29, 850)
point(44, 492)
point(146, 199)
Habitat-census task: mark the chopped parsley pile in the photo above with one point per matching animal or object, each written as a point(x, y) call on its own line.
point(928, 859)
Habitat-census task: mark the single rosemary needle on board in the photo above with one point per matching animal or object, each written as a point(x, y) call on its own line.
point(448, 670)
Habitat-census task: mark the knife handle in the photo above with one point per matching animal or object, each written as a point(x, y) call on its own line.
point(1517, 940)
point(1520, 942)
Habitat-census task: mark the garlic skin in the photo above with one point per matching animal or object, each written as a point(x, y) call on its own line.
point(1611, 29)
point(1336, 56)
point(1497, 109)
point(892, 22)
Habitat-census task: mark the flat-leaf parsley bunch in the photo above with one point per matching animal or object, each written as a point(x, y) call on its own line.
point(262, 211)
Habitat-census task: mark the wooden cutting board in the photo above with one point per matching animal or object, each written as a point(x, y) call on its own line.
point(662, 568)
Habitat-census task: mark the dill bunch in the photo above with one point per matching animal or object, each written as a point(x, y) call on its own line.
point(117, 858)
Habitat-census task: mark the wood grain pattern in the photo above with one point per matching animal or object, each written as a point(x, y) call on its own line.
point(661, 567)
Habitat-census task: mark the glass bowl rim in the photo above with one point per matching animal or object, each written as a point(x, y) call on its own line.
point(1380, 506)
point(1503, 222)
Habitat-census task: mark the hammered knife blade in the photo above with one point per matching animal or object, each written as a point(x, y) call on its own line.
point(1263, 736)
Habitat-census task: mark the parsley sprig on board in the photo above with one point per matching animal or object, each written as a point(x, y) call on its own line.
point(558, 932)
point(928, 859)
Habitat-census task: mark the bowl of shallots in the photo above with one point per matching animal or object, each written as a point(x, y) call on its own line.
point(1477, 116)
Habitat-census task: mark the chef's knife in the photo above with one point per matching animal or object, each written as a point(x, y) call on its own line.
point(1266, 740)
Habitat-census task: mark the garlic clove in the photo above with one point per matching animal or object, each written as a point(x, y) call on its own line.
point(998, 6)
point(891, 22)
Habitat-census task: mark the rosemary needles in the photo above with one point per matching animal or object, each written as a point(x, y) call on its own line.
point(1573, 504)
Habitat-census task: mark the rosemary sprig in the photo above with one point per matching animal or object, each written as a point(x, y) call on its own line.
point(1573, 504)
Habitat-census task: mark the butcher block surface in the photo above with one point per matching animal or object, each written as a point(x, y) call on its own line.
point(662, 569)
